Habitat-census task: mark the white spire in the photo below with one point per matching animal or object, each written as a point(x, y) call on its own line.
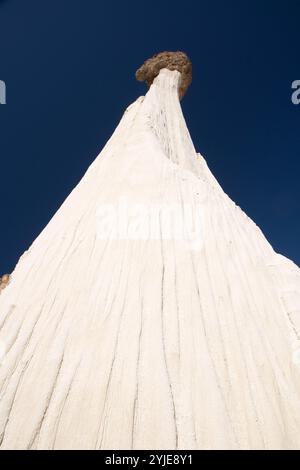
point(151, 312)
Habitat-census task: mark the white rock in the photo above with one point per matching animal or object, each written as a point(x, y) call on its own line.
point(123, 328)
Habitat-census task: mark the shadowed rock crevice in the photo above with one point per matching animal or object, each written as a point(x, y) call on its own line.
point(167, 60)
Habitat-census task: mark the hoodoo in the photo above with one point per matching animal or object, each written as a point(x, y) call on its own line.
point(151, 312)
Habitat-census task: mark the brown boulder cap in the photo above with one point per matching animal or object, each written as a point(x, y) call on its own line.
point(167, 60)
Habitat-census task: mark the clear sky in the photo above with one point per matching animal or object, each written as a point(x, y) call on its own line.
point(69, 70)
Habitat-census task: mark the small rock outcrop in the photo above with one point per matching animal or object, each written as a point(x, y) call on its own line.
point(167, 60)
point(4, 280)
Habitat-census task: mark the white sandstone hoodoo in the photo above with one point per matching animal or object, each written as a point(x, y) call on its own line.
point(151, 312)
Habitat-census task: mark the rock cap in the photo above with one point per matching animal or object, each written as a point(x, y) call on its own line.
point(167, 60)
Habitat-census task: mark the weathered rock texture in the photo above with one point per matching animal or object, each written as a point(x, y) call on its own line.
point(4, 280)
point(150, 341)
point(167, 60)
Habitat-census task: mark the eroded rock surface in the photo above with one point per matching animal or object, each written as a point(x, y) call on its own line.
point(4, 280)
point(167, 60)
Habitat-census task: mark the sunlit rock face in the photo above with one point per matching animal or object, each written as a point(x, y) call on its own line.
point(151, 312)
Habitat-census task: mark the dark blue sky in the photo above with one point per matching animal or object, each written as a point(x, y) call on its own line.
point(69, 70)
